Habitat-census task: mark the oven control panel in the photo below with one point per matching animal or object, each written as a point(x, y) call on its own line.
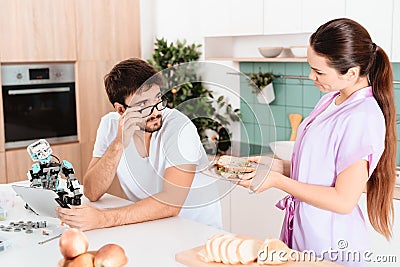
point(17, 74)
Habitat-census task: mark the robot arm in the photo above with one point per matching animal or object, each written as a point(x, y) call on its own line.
point(72, 183)
point(34, 175)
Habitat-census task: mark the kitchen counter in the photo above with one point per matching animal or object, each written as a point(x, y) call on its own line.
point(152, 243)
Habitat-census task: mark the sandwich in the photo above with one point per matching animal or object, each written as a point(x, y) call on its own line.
point(234, 167)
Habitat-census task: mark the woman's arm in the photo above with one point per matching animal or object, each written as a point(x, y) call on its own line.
point(340, 198)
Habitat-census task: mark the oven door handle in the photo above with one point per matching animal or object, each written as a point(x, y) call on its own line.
point(39, 91)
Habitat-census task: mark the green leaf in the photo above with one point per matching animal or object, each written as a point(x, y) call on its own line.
point(166, 53)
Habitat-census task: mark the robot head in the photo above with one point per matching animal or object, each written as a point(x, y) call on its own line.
point(40, 151)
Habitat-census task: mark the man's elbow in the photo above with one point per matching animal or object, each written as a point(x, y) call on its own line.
point(174, 211)
point(90, 195)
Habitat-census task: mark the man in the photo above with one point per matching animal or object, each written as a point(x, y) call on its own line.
point(155, 152)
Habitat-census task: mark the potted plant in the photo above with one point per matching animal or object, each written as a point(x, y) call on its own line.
point(262, 86)
point(206, 112)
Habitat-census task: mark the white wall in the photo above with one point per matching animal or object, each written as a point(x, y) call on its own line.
point(148, 27)
point(182, 19)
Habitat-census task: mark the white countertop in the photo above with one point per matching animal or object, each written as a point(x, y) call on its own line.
point(152, 243)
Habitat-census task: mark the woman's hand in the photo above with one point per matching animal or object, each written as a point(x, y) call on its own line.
point(276, 165)
point(262, 180)
point(83, 217)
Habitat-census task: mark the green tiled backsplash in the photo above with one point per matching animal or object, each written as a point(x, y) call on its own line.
point(291, 96)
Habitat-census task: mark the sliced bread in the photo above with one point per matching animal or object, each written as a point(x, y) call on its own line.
point(231, 250)
point(247, 250)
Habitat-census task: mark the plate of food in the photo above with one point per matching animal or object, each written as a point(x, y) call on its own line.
point(231, 168)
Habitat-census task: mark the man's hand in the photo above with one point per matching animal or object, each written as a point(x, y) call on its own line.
point(83, 217)
point(127, 125)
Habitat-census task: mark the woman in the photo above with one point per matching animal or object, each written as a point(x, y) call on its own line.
point(347, 144)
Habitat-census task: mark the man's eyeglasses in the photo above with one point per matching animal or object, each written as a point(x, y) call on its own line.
point(147, 111)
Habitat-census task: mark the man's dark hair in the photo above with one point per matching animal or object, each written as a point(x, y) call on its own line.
point(127, 77)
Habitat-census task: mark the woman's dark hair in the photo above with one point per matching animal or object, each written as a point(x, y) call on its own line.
point(128, 77)
point(346, 44)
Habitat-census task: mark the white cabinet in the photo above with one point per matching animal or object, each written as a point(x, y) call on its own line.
point(301, 16)
point(376, 17)
point(232, 17)
point(256, 215)
point(315, 13)
point(395, 56)
point(270, 21)
point(248, 18)
point(217, 17)
point(282, 16)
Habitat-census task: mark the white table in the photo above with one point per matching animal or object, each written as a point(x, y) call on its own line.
point(152, 243)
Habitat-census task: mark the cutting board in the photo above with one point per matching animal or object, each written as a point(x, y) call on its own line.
point(190, 258)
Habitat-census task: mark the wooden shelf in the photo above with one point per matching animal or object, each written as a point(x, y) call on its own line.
point(245, 48)
point(259, 59)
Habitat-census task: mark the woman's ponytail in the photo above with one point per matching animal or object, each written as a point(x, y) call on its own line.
point(380, 186)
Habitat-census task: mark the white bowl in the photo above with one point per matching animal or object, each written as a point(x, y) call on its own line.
point(270, 51)
point(299, 51)
point(282, 149)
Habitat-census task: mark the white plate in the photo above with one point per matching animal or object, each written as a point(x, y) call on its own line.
point(212, 171)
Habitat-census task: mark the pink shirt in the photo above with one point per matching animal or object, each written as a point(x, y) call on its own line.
point(326, 146)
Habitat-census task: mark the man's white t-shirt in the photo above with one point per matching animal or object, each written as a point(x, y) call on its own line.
point(176, 143)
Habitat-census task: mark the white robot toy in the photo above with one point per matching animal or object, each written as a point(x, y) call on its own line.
point(46, 173)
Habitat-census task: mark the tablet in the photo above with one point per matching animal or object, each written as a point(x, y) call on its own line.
point(42, 201)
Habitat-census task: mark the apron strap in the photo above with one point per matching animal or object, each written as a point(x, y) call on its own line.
point(288, 204)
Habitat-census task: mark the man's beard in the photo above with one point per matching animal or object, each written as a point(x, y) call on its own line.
point(154, 127)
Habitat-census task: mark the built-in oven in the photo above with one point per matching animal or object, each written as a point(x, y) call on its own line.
point(38, 102)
